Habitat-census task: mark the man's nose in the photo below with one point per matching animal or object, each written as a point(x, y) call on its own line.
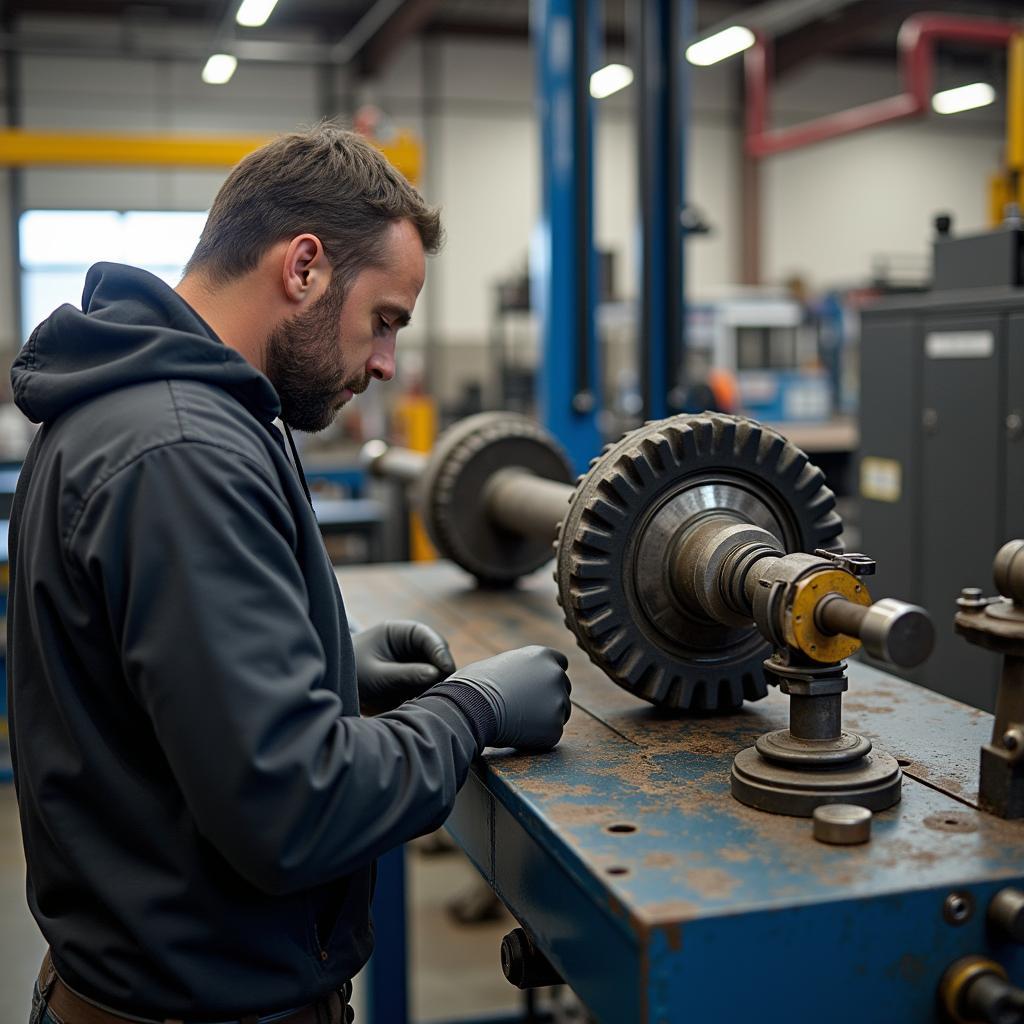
point(381, 364)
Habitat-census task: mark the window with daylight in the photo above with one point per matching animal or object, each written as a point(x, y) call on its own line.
point(59, 246)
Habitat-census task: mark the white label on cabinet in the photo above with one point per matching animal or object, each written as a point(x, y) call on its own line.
point(960, 344)
point(880, 479)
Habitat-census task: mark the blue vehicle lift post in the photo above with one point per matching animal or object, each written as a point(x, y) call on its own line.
point(662, 29)
point(564, 264)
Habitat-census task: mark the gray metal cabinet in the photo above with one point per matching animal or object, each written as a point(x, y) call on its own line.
point(942, 460)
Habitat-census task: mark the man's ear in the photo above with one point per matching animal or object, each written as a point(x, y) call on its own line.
point(306, 273)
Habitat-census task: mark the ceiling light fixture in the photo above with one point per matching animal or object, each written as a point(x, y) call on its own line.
point(219, 69)
point(609, 79)
point(729, 41)
point(966, 97)
point(254, 13)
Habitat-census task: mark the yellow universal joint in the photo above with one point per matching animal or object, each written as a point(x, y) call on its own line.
point(802, 629)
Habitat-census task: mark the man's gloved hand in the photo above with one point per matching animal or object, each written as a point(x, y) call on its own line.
point(396, 661)
point(527, 691)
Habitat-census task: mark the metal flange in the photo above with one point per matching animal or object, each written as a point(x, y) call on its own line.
point(615, 567)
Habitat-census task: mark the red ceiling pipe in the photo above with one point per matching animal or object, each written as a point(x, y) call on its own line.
point(916, 43)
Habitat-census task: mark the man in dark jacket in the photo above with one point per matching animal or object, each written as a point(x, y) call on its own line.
point(200, 799)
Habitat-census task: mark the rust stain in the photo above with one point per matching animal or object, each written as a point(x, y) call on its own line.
point(679, 910)
point(714, 883)
point(868, 708)
point(911, 968)
point(660, 860)
point(954, 821)
point(674, 937)
point(734, 854)
point(578, 814)
point(544, 787)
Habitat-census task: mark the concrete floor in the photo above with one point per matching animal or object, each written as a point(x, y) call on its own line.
point(455, 968)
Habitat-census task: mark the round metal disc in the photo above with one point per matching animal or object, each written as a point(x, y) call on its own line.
point(874, 782)
point(464, 458)
point(614, 563)
point(842, 824)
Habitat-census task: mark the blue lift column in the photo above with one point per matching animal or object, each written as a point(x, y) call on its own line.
point(564, 263)
point(662, 97)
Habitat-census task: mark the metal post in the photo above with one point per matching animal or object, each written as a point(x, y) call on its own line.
point(564, 266)
point(663, 109)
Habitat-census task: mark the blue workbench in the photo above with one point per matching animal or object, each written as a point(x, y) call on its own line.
point(659, 897)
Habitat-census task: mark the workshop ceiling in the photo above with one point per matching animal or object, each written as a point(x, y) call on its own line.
point(854, 28)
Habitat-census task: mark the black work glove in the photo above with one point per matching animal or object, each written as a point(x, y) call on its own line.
point(396, 661)
point(527, 691)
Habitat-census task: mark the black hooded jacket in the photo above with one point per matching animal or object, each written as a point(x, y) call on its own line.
point(201, 804)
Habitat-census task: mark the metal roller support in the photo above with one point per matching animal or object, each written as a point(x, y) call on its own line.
point(395, 463)
point(997, 624)
point(816, 610)
point(491, 493)
point(671, 553)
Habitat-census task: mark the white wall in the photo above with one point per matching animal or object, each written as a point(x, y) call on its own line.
point(826, 210)
point(830, 210)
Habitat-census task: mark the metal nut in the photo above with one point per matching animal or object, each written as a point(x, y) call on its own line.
point(971, 597)
point(958, 908)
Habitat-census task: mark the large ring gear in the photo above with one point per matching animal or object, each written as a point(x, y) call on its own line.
point(615, 568)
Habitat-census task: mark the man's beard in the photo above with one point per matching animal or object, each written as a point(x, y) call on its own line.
point(303, 366)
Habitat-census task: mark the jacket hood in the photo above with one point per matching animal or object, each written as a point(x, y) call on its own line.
point(133, 328)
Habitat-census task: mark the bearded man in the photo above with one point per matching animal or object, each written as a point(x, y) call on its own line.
point(201, 801)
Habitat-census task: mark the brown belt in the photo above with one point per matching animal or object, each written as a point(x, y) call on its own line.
point(67, 1007)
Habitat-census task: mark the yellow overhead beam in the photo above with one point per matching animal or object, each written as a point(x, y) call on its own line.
point(23, 148)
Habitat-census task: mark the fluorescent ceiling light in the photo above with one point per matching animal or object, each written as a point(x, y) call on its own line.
point(609, 79)
point(254, 13)
point(219, 69)
point(967, 97)
point(722, 44)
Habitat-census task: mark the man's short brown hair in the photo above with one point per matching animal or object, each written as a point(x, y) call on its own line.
point(326, 181)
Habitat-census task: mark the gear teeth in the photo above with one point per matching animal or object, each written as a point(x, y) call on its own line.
point(726, 439)
point(617, 487)
point(640, 466)
point(590, 569)
point(810, 477)
point(601, 623)
point(770, 450)
point(604, 512)
point(616, 646)
point(747, 439)
point(591, 597)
